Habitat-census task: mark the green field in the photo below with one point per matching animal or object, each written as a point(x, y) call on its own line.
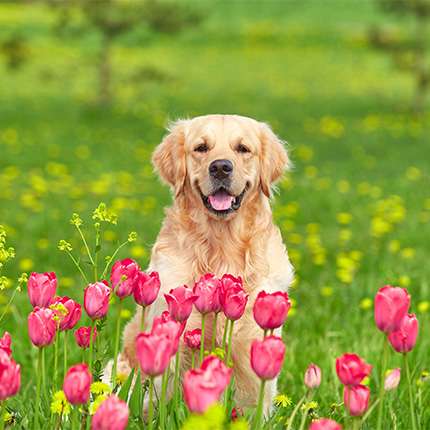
point(354, 211)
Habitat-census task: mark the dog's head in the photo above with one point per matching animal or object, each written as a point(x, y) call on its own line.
point(221, 161)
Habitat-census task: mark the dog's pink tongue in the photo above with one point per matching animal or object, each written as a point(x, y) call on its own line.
point(221, 201)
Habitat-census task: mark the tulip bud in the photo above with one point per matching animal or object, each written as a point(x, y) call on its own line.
point(193, 338)
point(404, 339)
point(207, 289)
point(112, 414)
point(123, 277)
point(10, 376)
point(325, 424)
point(42, 288)
point(180, 302)
point(82, 336)
point(71, 315)
point(313, 376)
point(391, 305)
point(96, 300)
point(267, 357)
point(352, 369)
point(356, 399)
point(271, 310)
point(392, 379)
point(153, 352)
point(77, 384)
point(5, 343)
point(42, 326)
point(146, 288)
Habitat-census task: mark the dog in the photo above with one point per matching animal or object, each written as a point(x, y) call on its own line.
point(221, 170)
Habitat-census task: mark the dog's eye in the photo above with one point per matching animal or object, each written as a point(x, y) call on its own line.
point(242, 148)
point(201, 148)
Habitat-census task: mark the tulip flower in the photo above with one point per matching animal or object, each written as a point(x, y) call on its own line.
point(180, 302)
point(392, 380)
point(77, 384)
point(146, 288)
point(123, 277)
point(352, 369)
point(356, 399)
point(82, 336)
point(192, 339)
point(10, 376)
point(234, 300)
point(166, 325)
point(391, 305)
point(42, 326)
point(96, 300)
point(153, 352)
point(42, 288)
point(203, 387)
point(313, 376)
point(271, 310)
point(5, 343)
point(69, 315)
point(325, 424)
point(207, 289)
point(112, 414)
point(404, 339)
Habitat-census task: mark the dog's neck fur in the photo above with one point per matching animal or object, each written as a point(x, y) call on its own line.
point(236, 245)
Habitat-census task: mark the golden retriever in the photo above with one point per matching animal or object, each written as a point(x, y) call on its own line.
point(221, 169)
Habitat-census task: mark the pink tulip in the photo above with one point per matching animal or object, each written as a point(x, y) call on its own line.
point(356, 399)
point(77, 384)
point(166, 325)
point(180, 302)
point(82, 336)
point(42, 326)
point(72, 314)
point(208, 291)
point(391, 305)
point(193, 338)
point(153, 352)
point(96, 300)
point(271, 310)
point(267, 356)
point(313, 376)
point(325, 424)
point(5, 343)
point(351, 369)
point(123, 277)
point(233, 297)
point(146, 288)
point(203, 387)
point(42, 288)
point(404, 339)
point(112, 414)
point(10, 376)
point(392, 380)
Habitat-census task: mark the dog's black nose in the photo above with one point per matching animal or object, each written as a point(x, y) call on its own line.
point(221, 169)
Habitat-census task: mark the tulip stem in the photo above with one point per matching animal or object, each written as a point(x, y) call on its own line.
point(96, 252)
point(162, 407)
point(294, 413)
point(193, 359)
point(90, 358)
point(142, 319)
point(151, 403)
point(229, 343)
point(381, 382)
point(259, 411)
point(411, 397)
point(57, 334)
point(65, 352)
point(356, 423)
point(224, 336)
point(39, 383)
point(2, 409)
point(176, 380)
point(214, 327)
point(116, 346)
point(202, 343)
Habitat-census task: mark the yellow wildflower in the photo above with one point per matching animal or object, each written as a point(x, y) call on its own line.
point(282, 400)
point(423, 307)
point(366, 303)
point(59, 404)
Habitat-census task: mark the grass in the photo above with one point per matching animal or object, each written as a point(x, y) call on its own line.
point(354, 212)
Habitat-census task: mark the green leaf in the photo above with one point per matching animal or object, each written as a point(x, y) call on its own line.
point(123, 393)
point(136, 396)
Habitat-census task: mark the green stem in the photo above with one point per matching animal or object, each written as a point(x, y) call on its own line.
point(162, 407)
point(214, 327)
point(57, 334)
point(151, 403)
point(43, 372)
point(78, 267)
point(371, 409)
point(193, 359)
point(38, 386)
point(142, 319)
point(90, 358)
point(265, 333)
point(294, 413)
point(176, 380)
point(112, 258)
point(115, 357)
point(381, 382)
point(96, 253)
point(411, 396)
point(356, 423)
point(202, 343)
point(259, 411)
point(229, 343)
point(308, 397)
point(224, 336)
point(65, 352)
point(2, 410)
point(86, 245)
point(6, 309)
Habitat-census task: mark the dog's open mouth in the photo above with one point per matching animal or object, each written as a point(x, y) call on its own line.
point(221, 202)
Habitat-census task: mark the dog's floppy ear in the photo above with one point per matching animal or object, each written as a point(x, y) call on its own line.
point(169, 157)
point(274, 158)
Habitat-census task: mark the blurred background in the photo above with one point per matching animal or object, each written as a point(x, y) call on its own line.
point(87, 87)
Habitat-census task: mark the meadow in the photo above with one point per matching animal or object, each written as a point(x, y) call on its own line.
point(354, 211)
